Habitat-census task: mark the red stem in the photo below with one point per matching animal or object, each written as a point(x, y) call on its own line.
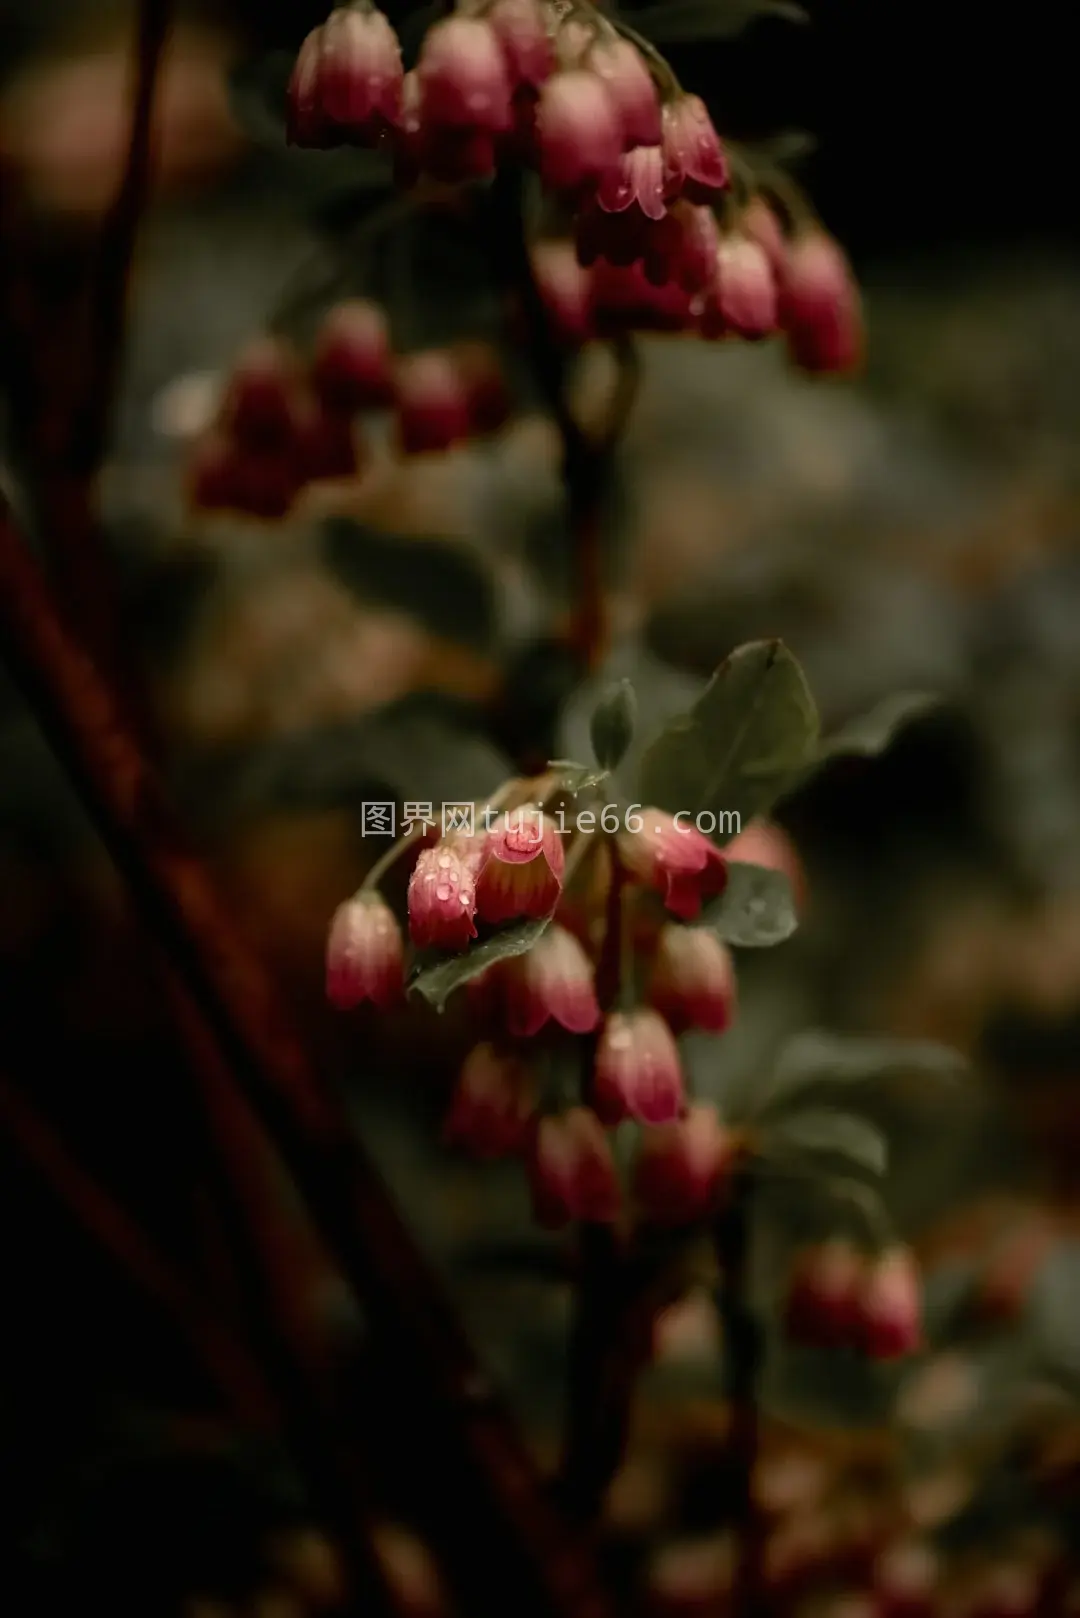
point(517, 1542)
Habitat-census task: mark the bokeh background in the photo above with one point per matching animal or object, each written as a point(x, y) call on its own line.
point(913, 529)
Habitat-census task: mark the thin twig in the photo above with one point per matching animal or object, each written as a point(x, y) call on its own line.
point(459, 1423)
point(236, 1376)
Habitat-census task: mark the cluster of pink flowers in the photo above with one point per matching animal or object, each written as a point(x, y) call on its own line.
point(633, 159)
point(840, 1297)
point(681, 978)
point(514, 870)
point(285, 423)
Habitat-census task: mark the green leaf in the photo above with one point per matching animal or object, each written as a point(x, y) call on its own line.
point(829, 1133)
point(750, 736)
point(817, 1058)
point(437, 983)
point(873, 732)
point(612, 726)
point(756, 909)
point(575, 778)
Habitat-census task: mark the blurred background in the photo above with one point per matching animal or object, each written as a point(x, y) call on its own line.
point(913, 530)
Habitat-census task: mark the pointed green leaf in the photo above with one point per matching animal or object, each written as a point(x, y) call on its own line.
point(750, 735)
point(873, 732)
point(756, 909)
point(575, 778)
point(829, 1133)
point(820, 1058)
point(612, 726)
point(437, 983)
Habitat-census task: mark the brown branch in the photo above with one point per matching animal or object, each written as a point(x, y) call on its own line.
point(517, 1541)
point(235, 1374)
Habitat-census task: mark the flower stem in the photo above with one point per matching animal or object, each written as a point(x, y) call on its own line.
point(586, 459)
point(742, 1342)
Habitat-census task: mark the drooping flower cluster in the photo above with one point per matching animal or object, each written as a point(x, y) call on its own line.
point(839, 1297)
point(615, 140)
point(656, 239)
point(557, 1070)
point(285, 423)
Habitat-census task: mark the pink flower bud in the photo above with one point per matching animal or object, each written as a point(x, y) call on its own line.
point(360, 73)
point(364, 954)
point(742, 300)
point(759, 224)
point(307, 123)
point(565, 287)
point(621, 69)
point(326, 448)
point(578, 132)
point(638, 1073)
point(905, 1578)
point(521, 30)
point(264, 400)
point(442, 899)
point(224, 476)
point(625, 300)
point(888, 1308)
point(820, 308)
point(492, 1108)
point(694, 163)
point(637, 183)
point(693, 980)
point(352, 369)
point(523, 869)
point(676, 859)
point(684, 249)
point(464, 83)
point(572, 1172)
point(432, 403)
point(681, 1167)
point(554, 982)
point(823, 1303)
